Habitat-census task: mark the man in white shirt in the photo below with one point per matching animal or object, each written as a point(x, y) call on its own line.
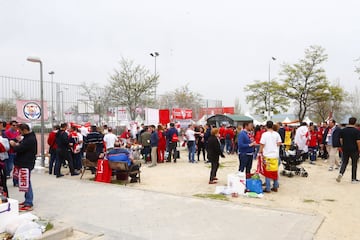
point(110, 140)
point(190, 136)
point(269, 147)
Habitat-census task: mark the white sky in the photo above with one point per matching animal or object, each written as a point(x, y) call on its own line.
point(216, 46)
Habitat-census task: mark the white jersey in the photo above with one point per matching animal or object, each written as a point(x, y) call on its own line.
point(301, 138)
point(270, 139)
point(110, 140)
point(190, 135)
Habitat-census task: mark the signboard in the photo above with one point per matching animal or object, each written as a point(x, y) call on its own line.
point(30, 110)
point(181, 113)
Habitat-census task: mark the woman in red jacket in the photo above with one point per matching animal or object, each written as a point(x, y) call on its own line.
point(161, 144)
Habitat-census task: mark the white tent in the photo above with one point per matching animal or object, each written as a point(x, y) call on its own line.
point(307, 120)
point(286, 120)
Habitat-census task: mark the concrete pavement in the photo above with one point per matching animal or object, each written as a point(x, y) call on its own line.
point(120, 212)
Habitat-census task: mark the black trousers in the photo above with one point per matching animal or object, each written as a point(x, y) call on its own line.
point(354, 161)
point(172, 150)
point(61, 156)
point(214, 167)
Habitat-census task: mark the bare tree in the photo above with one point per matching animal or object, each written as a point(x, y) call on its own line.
point(132, 86)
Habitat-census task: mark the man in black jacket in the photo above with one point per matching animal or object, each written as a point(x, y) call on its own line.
point(26, 151)
point(63, 151)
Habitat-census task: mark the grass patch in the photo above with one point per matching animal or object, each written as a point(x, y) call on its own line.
point(49, 226)
point(212, 196)
point(309, 201)
point(329, 200)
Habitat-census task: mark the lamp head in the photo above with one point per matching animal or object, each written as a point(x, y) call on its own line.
point(34, 59)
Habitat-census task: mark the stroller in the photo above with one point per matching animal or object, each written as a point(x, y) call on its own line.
point(291, 159)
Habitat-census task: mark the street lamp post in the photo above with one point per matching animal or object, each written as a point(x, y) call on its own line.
point(52, 97)
point(37, 60)
point(155, 55)
point(269, 94)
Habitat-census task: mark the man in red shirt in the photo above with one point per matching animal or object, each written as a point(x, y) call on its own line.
point(222, 133)
point(52, 148)
point(312, 142)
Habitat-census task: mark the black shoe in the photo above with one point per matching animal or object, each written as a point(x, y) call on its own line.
point(174, 160)
point(133, 180)
point(75, 174)
point(58, 176)
point(168, 160)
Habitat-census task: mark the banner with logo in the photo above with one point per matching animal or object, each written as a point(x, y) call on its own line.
point(30, 110)
point(181, 113)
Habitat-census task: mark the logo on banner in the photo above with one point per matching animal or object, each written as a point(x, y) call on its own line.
point(32, 111)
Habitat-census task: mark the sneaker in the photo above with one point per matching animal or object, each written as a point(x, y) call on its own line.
point(21, 204)
point(355, 181)
point(331, 168)
point(25, 209)
point(338, 179)
point(337, 167)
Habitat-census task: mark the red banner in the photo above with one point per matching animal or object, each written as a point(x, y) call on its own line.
point(164, 116)
point(217, 110)
point(180, 113)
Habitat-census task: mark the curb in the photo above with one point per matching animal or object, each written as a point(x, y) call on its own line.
point(58, 233)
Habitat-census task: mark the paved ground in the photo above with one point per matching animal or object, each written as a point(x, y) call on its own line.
point(119, 212)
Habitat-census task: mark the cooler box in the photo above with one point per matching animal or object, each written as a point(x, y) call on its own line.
point(8, 211)
point(237, 183)
point(103, 173)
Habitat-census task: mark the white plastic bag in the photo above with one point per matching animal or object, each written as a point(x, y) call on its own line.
point(28, 230)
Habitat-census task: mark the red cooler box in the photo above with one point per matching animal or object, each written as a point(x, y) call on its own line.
point(103, 173)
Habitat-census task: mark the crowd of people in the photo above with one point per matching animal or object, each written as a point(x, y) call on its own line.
point(69, 144)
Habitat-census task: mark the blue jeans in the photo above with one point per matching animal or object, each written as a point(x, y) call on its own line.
point(312, 152)
point(228, 144)
point(10, 164)
point(245, 162)
point(267, 182)
point(191, 148)
point(29, 195)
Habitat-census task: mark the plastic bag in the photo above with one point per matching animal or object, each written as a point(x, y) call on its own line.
point(28, 230)
point(254, 185)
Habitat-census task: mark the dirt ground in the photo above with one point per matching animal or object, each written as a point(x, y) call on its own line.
point(318, 193)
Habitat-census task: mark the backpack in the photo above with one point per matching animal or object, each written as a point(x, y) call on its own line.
point(174, 138)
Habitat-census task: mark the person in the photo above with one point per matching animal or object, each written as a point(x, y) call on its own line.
point(206, 139)
point(200, 143)
point(95, 137)
point(154, 141)
point(332, 141)
point(301, 139)
point(269, 147)
point(110, 138)
point(76, 142)
point(26, 150)
point(281, 131)
point(120, 154)
point(12, 134)
point(172, 140)
point(246, 148)
point(214, 152)
point(190, 136)
point(145, 142)
point(161, 144)
point(350, 142)
point(222, 132)
point(52, 148)
point(312, 142)
point(63, 151)
point(229, 137)
point(4, 148)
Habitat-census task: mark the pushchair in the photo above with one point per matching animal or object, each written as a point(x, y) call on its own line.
point(291, 159)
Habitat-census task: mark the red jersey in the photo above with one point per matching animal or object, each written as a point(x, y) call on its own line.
point(313, 138)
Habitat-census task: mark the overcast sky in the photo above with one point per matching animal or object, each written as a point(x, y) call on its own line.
point(217, 47)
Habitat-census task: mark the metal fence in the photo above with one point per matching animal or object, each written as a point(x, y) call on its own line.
point(62, 99)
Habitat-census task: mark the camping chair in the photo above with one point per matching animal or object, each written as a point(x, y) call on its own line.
point(123, 167)
point(87, 165)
